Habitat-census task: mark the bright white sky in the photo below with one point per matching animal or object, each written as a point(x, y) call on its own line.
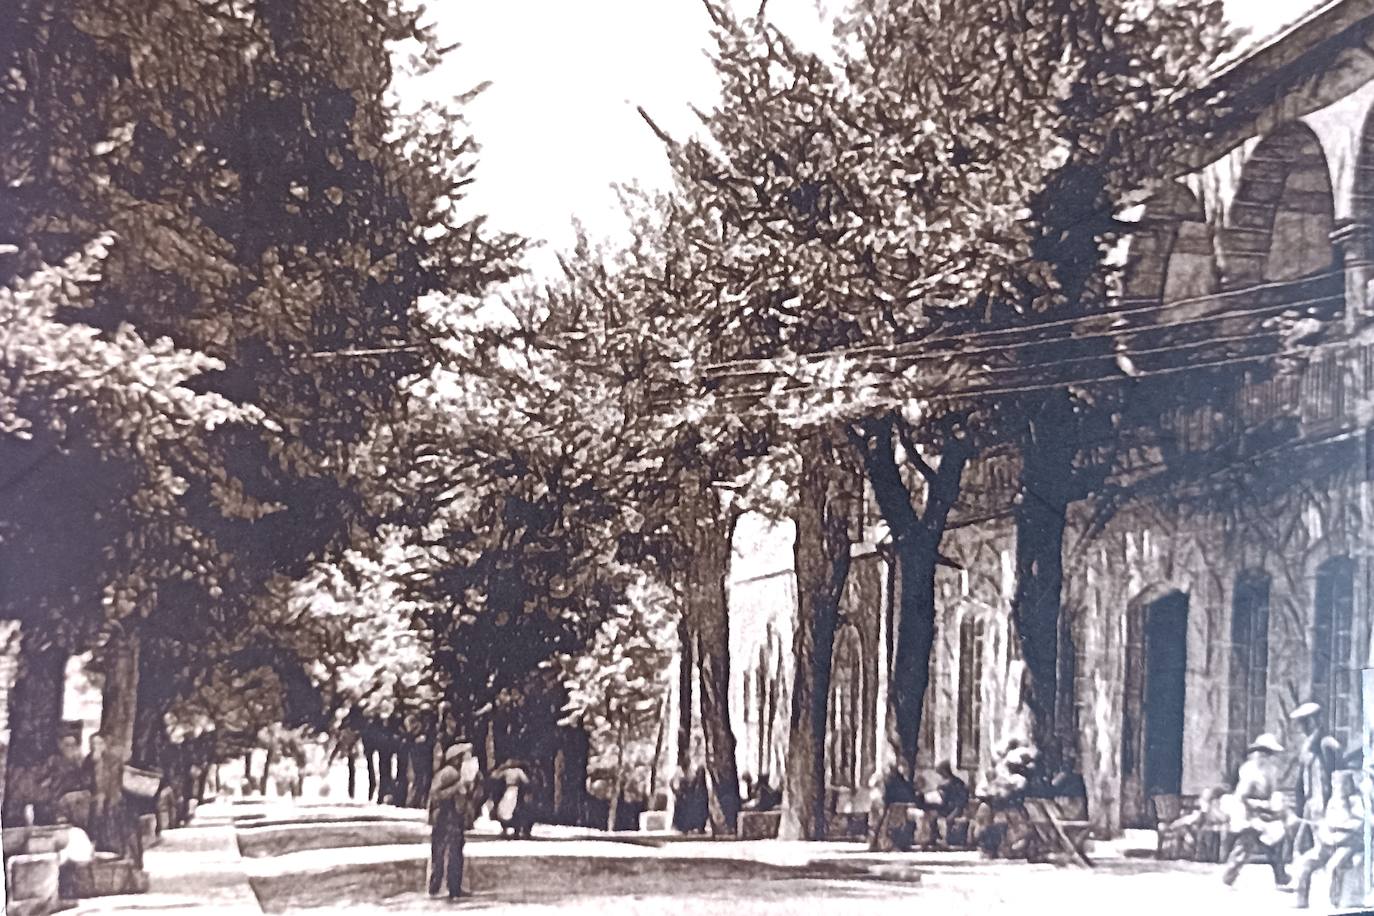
point(559, 126)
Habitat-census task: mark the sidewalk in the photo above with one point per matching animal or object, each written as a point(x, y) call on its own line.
point(193, 870)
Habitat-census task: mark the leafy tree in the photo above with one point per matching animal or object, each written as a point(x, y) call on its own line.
point(283, 218)
point(110, 407)
point(553, 474)
point(617, 685)
point(949, 170)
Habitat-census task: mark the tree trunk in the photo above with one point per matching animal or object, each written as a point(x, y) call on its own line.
point(156, 686)
point(917, 538)
point(821, 560)
point(267, 762)
point(1040, 514)
point(915, 639)
point(710, 530)
point(761, 676)
point(119, 698)
point(618, 785)
point(774, 692)
point(36, 704)
point(659, 734)
point(685, 672)
point(11, 636)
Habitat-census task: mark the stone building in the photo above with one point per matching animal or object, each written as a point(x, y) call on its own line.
point(1197, 614)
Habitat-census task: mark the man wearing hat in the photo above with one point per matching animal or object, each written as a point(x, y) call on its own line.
point(1257, 815)
point(451, 799)
point(1317, 758)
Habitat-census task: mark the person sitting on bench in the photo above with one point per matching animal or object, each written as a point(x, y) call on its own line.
point(948, 801)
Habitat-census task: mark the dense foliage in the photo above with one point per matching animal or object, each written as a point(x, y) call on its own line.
point(265, 203)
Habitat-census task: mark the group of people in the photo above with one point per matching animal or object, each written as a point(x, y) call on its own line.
point(1322, 829)
point(456, 795)
point(88, 793)
point(936, 810)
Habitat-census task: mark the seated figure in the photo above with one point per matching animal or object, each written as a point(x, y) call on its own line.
point(947, 802)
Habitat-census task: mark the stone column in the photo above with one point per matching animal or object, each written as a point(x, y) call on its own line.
point(1351, 241)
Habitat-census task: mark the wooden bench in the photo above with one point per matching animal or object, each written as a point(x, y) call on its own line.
point(759, 825)
point(1069, 837)
point(846, 825)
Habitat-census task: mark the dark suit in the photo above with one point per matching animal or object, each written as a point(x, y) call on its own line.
point(452, 806)
point(446, 849)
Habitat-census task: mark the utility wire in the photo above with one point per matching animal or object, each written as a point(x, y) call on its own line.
point(1095, 318)
point(901, 351)
point(986, 371)
point(994, 390)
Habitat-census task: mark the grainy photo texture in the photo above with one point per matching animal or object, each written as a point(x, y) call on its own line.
point(689, 456)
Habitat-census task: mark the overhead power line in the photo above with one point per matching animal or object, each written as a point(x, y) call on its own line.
point(1116, 378)
point(765, 365)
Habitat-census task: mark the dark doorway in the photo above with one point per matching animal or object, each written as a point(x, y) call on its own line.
point(1153, 719)
point(1166, 664)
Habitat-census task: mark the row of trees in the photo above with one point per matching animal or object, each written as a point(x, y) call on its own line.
point(363, 461)
point(217, 229)
point(847, 280)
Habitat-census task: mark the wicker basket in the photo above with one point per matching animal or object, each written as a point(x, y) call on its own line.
point(142, 783)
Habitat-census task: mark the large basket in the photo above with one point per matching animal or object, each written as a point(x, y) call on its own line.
point(142, 783)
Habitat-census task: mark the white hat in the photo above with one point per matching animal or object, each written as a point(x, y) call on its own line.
point(1305, 710)
point(1265, 742)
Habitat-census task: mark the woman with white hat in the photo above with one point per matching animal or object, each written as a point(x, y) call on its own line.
point(1257, 813)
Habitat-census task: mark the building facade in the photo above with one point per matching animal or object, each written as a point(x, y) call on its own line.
point(1197, 612)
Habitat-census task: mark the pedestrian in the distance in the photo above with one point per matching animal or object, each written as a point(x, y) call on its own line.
point(513, 810)
point(452, 800)
point(942, 806)
point(346, 748)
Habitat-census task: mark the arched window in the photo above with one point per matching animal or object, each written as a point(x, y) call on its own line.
point(1333, 647)
point(1172, 256)
point(846, 709)
point(1282, 216)
point(971, 636)
point(1249, 663)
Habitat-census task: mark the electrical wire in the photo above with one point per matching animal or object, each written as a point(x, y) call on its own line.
point(1118, 377)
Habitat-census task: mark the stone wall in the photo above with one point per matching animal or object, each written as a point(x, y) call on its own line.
point(1146, 552)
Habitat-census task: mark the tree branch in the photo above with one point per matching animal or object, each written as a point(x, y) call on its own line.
point(913, 454)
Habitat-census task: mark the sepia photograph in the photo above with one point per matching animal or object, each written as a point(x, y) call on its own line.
point(687, 456)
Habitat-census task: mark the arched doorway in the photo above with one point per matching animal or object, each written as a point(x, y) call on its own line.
point(1154, 718)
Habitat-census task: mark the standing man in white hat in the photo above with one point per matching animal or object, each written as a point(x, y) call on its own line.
point(1257, 815)
point(1317, 758)
point(451, 798)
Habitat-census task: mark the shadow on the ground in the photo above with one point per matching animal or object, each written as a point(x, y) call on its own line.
point(263, 840)
point(537, 879)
